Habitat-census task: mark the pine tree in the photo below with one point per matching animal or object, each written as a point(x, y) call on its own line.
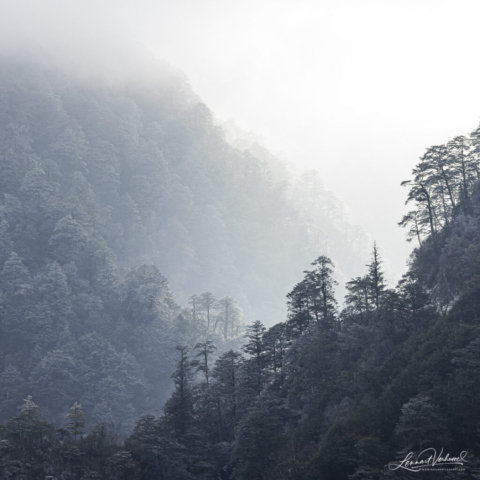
point(358, 298)
point(68, 240)
point(474, 154)
point(226, 387)
point(299, 312)
point(253, 370)
point(179, 408)
point(417, 227)
point(229, 315)
point(27, 428)
point(260, 434)
point(76, 420)
point(208, 303)
point(196, 312)
point(375, 276)
point(422, 424)
point(322, 276)
point(415, 300)
point(276, 343)
point(313, 299)
point(205, 350)
point(123, 464)
point(16, 156)
point(465, 392)
point(255, 346)
point(17, 305)
point(458, 158)
point(422, 193)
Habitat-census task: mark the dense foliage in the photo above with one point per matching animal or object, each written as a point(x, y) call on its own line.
point(326, 394)
point(105, 183)
point(95, 182)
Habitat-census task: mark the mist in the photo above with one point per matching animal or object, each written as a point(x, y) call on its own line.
point(202, 274)
point(356, 90)
point(352, 89)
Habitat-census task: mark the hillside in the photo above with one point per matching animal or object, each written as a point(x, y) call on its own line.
point(168, 187)
point(326, 394)
point(119, 194)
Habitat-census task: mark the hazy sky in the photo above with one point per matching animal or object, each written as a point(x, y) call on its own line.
point(354, 88)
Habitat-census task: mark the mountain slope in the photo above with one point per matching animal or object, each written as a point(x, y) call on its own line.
point(110, 184)
point(157, 170)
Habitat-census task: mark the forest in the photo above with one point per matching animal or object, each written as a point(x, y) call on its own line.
point(169, 303)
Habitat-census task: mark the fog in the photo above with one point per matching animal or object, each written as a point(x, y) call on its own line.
point(355, 89)
point(175, 302)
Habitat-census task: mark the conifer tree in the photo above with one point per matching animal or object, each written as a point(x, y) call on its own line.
point(194, 302)
point(375, 276)
point(358, 297)
point(422, 193)
point(313, 299)
point(208, 303)
point(255, 346)
point(253, 370)
point(229, 315)
point(465, 391)
point(76, 420)
point(205, 350)
point(458, 158)
point(226, 387)
point(27, 428)
point(417, 228)
point(276, 343)
point(255, 445)
point(422, 424)
point(179, 408)
point(324, 300)
point(299, 312)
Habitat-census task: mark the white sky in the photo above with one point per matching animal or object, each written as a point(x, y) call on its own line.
point(354, 88)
